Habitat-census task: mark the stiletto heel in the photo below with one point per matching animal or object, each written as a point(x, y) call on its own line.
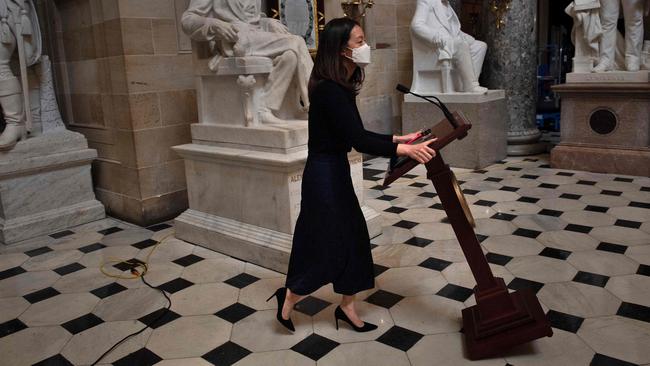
point(340, 315)
point(281, 294)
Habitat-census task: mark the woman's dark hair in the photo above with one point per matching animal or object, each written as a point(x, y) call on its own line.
point(328, 64)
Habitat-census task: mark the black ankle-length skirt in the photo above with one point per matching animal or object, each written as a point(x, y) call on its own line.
point(330, 242)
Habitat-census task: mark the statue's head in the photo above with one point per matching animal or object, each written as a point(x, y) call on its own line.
point(334, 55)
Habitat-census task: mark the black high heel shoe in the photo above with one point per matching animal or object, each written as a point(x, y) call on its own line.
point(280, 294)
point(340, 315)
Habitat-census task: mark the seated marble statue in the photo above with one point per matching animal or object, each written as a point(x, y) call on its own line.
point(236, 28)
point(445, 59)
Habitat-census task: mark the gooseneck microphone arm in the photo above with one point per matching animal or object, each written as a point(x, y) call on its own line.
point(450, 117)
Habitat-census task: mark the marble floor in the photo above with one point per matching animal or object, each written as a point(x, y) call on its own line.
point(580, 240)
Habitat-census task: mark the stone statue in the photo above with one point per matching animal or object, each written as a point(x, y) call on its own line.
point(633, 11)
point(19, 33)
point(445, 59)
point(236, 28)
point(586, 33)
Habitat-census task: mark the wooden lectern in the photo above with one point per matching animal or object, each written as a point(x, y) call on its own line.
point(499, 320)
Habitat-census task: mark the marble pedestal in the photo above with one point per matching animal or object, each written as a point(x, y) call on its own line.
point(605, 128)
point(46, 186)
point(486, 142)
point(244, 187)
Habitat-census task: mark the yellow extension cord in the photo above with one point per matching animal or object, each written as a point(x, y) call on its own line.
point(144, 265)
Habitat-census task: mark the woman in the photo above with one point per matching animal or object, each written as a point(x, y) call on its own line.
point(330, 242)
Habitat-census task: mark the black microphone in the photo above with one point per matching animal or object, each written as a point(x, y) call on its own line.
point(450, 117)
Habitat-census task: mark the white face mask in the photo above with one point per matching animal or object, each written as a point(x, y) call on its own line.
point(361, 55)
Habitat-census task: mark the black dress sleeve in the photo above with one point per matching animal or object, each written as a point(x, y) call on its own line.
point(343, 118)
point(380, 136)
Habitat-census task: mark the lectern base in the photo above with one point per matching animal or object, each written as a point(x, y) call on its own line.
point(481, 346)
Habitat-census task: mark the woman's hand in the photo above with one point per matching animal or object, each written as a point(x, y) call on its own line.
point(421, 153)
point(406, 138)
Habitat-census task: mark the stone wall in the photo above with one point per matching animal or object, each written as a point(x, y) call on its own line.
point(124, 79)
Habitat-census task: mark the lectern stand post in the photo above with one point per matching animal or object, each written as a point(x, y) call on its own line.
point(499, 320)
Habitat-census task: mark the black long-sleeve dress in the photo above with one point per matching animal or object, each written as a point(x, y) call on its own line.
point(331, 242)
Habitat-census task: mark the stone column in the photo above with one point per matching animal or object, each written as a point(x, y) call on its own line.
point(511, 64)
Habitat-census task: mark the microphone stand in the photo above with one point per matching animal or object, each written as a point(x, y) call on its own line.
point(450, 117)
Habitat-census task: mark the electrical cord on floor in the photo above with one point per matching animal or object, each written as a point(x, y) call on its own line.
point(134, 264)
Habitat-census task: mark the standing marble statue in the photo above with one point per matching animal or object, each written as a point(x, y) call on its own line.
point(633, 11)
point(235, 28)
point(18, 27)
point(442, 53)
point(586, 33)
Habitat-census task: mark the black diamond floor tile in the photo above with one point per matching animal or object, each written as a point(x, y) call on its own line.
point(470, 191)
point(418, 242)
point(56, 360)
point(110, 230)
point(226, 354)
point(545, 166)
point(498, 259)
point(614, 248)
point(493, 179)
point(481, 238)
point(634, 311)
point(594, 208)
point(578, 228)
point(640, 205)
point(528, 199)
point(401, 338)
point(11, 327)
point(435, 264)
point(395, 210)
point(643, 270)
point(521, 283)
point(61, 234)
point(645, 189)
point(566, 174)
point(82, 323)
point(188, 260)
point(553, 213)
point(108, 290)
point(38, 251)
point(144, 244)
point(555, 253)
point(602, 360)
point(41, 295)
point(387, 197)
point(548, 185)
point(158, 227)
point(175, 285)
point(405, 224)
point(437, 206)
point(234, 312)
point(587, 182)
point(378, 187)
point(568, 322)
point(409, 176)
point(15, 271)
point(418, 185)
point(509, 189)
point(455, 292)
point(384, 299)
point(503, 216)
point(527, 233)
point(428, 194)
point(315, 346)
point(593, 279)
point(530, 176)
point(628, 224)
point(485, 203)
point(621, 179)
point(158, 318)
point(379, 269)
point(311, 305)
point(124, 266)
point(70, 268)
point(514, 169)
point(570, 196)
point(92, 247)
point(241, 280)
point(141, 357)
point(611, 193)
